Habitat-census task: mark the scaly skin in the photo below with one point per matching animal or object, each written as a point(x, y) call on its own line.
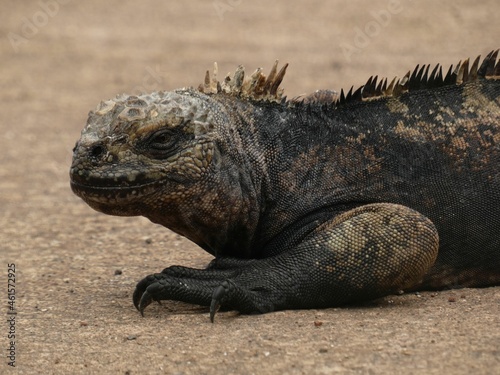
point(307, 203)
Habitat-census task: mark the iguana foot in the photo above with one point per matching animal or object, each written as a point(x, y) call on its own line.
point(178, 283)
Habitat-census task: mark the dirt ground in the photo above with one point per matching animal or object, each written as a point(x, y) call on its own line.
point(75, 315)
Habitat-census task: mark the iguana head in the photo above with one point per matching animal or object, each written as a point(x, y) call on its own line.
point(134, 146)
point(174, 158)
point(171, 157)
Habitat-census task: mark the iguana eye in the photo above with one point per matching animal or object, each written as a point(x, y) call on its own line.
point(161, 140)
point(161, 144)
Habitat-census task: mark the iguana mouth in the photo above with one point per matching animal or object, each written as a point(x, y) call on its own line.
point(122, 184)
point(121, 191)
point(109, 193)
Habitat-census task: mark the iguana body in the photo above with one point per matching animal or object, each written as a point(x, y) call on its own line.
point(307, 203)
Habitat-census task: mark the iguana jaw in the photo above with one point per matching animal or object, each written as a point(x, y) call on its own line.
point(115, 173)
point(113, 178)
point(117, 200)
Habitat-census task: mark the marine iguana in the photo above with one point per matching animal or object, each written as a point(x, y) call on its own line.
point(312, 202)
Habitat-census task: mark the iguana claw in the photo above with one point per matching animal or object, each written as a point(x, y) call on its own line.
point(217, 297)
point(138, 292)
point(146, 300)
point(141, 297)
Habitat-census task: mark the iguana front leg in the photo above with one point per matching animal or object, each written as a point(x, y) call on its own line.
point(365, 253)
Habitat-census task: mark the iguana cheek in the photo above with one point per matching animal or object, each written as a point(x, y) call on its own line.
point(193, 162)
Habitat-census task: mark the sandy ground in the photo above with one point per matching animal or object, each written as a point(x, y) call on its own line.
point(75, 315)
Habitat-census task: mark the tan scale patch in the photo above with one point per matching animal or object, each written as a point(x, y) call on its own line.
point(395, 106)
point(476, 102)
point(410, 132)
point(459, 143)
point(406, 246)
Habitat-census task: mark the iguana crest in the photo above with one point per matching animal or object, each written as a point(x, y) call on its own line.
point(256, 87)
point(266, 88)
point(420, 79)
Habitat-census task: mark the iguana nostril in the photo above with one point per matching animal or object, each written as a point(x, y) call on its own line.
point(97, 151)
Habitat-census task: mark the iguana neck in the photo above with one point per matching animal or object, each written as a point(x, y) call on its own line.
point(224, 220)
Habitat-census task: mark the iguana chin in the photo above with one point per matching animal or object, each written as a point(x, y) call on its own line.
point(312, 202)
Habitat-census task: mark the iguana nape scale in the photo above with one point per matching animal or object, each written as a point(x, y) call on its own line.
point(312, 202)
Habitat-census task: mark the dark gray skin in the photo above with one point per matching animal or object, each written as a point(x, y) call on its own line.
point(313, 204)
